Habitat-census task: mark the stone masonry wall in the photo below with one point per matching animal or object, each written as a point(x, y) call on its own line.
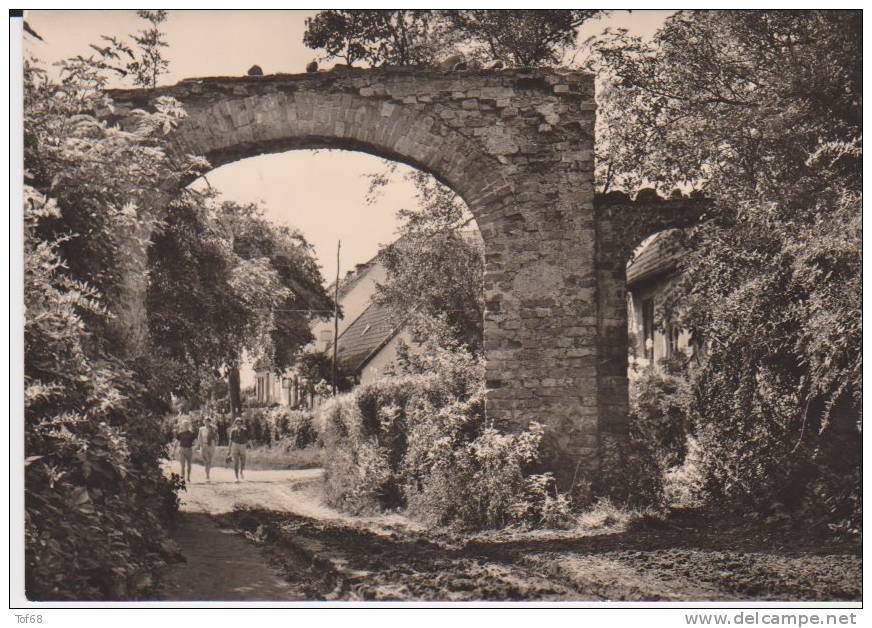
point(517, 145)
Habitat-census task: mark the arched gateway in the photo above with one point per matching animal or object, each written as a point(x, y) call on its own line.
point(517, 145)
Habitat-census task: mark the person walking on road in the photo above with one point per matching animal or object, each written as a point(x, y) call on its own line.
point(185, 436)
point(238, 436)
point(207, 438)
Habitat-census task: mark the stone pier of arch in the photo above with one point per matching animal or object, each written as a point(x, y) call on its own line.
point(517, 145)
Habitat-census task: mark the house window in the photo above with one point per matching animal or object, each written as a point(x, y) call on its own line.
point(648, 327)
point(672, 339)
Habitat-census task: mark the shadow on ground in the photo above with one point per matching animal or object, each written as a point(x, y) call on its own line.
point(684, 557)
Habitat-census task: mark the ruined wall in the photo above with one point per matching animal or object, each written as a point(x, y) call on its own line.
point(517, 145)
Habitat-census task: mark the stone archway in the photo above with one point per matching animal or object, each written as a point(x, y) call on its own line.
point(517, 145)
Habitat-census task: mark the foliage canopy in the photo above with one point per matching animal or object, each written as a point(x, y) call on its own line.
point(761, 110)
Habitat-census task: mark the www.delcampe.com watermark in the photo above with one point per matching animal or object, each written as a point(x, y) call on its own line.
point(758, 618)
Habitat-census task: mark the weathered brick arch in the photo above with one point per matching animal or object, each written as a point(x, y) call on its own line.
point(517, 145)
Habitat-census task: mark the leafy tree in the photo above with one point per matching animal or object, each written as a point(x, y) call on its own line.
point(317, 366)
point(730, 101)
point(292, 259)
point(93, 444)
point(435, 269)
point(146, 63)
point(520, 37)
point(227, 281)
point(195, 316)
point(424, 37)
point(101, 177)
point(761, 110)
point(379, 36)
point(93, 438)
point(278, 266)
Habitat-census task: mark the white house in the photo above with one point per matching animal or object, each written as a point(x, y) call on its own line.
point(368, 340)
point(650, 274)
point(368, 335)
point(269, 388)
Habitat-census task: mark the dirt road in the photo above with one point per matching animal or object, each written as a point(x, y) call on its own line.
point(221, 563)
point(276, 490)
point(271, 538)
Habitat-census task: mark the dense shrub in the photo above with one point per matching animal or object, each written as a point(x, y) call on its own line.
point(279, 423)
point(633, 467)
point(478, 479)
point(364, 433)
point(683, 485)
point(96, 503)
point(777, 400)
point(660, 414)
point(629, 474)
point(772, 278)
point(410, 442)
point(296, 426)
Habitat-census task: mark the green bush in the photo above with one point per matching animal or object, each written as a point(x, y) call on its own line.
point(629, 474)
point(771, 280)
point(463, 473)
point(364, 433)
point(633, 470)
point(97, 505)
point(297, 427)
point(777, 399)
point(660, 414)
point(683, 485)
point(96, 502)
point(410, 442)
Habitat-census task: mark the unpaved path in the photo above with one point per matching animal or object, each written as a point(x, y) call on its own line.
point(271, 538)
point(222, 565)
point(220, 562)
point(272, 489)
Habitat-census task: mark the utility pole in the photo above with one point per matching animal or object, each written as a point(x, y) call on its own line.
point(336, 314)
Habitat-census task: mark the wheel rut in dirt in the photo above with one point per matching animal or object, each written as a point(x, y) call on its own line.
point(352, 563)
point(273, 538)
point(681, 561)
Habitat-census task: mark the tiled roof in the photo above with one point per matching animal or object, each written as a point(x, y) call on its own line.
point(365, 336)
point(657, 255)
point(374, 328)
